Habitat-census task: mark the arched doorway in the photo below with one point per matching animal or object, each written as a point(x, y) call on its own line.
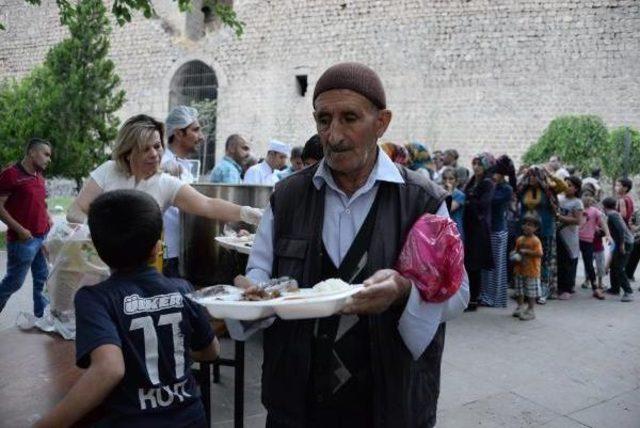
point(195, 84)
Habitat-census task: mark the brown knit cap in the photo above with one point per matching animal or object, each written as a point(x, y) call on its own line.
point(354, 76)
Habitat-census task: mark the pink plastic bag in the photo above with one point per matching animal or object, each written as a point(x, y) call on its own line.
point(433, 258)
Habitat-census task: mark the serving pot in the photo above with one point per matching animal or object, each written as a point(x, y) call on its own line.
point(202, 260)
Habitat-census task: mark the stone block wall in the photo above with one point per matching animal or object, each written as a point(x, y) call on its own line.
point(470, 74)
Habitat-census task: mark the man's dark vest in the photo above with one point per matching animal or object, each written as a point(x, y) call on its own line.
point(405, 391)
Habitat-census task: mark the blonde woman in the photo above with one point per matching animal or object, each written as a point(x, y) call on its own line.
point(135, 164)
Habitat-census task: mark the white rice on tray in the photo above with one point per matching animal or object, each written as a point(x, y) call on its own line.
point(332, 285)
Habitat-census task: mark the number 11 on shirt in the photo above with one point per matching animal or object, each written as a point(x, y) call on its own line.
point(151, 343)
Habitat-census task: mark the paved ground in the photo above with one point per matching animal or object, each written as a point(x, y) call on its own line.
point(576, 365)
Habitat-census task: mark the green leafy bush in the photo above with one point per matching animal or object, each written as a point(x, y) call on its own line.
point(577, 140)
point(70, 100)
point(618, 160)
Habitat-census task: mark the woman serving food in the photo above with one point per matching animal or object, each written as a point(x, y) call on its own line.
point(135, 164)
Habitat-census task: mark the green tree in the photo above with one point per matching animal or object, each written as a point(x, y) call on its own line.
point(618, 159)
point(71, 99)
point(577, 140)
point(122, 10)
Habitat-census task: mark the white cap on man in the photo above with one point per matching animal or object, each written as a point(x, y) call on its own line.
point(279, 146)
point(179, 118)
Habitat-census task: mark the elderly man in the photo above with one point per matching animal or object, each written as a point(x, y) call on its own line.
point(229, 169)
point(377, 364)
point(266, 172)
point(184, 135)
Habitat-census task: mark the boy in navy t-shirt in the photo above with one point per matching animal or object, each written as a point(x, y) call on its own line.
point(136, 333)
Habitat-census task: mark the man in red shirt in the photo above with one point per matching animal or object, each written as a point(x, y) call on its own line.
point(23, 209)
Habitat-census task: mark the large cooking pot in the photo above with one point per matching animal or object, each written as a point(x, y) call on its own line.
point(202, 260)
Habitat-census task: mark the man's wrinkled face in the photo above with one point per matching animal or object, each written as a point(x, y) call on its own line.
point(349, 126)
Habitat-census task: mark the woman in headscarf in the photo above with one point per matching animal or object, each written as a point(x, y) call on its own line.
point(396, 152)
point(477, 224)
point(538, 192)
point(494, 281)
point(419, 159)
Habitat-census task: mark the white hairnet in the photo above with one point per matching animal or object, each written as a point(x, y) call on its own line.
point(179, 118)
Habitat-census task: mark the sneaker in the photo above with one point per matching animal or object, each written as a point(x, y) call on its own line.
point(564, 296)
point(527, 315)
point(598, 294)
point(585, 285)
point(541, 300)
point(627, 297)
point(519, 310)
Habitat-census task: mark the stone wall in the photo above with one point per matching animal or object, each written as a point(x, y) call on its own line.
point(470, 74)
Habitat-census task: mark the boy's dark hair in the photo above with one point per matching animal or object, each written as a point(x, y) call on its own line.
point(531, 218)
point(296, 152)
point(125, 225)
point(577, 183)
point(313, 149)
point(34, 143)
point(609, 203)
point(626, 182)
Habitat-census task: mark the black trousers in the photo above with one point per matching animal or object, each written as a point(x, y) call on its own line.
point(586, 248)
point(475, 282)
point(634, 259)
point(617, 274)
point(566, 268)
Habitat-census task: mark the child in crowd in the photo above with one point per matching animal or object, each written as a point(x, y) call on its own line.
point(136, 333)
point(625, 201)
point(568, 243)
point(450, 184)
point(623, 240)
point(528, 258)
point(588, 229)
point(598, 250)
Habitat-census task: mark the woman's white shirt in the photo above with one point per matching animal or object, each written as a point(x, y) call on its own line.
point(161, 186)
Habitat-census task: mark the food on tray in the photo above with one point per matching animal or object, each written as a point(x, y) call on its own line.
point(248, 239)
point(332, 285)
point(271, 289)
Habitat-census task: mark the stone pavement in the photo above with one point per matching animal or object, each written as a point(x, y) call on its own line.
point(576, 365)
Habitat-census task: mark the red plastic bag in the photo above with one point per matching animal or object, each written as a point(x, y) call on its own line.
point(433, 258)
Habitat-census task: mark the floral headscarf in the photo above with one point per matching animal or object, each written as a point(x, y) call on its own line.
point(396, 152)
point(527, 190)
point(418, 156)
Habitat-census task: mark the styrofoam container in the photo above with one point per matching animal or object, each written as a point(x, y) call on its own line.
point(308, 304)
point(240, 245)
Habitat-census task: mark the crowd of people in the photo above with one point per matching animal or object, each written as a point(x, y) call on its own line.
point(377, 363)
point(527, 229)
point(491, 203)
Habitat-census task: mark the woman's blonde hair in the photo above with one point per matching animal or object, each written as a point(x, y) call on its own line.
point(136, 132)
